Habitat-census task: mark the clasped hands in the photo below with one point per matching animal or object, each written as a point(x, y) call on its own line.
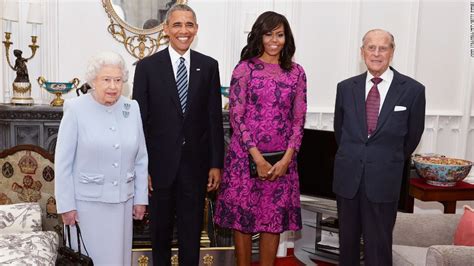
point(266, 171)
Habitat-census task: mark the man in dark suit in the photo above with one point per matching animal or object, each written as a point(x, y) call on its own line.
point(182, 118)
point(378, 122)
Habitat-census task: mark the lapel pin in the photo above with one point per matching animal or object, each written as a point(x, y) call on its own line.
point(198, 69)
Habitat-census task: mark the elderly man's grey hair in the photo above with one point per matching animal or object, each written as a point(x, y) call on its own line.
point(392, 39)
point(179, 7)
point(97, 62)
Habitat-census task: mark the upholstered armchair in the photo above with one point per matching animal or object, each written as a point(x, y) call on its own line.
point(426, 239)
point(28, 176)
point(22, 241)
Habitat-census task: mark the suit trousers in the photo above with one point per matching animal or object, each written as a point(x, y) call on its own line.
point(183, 202)
point(375, 221)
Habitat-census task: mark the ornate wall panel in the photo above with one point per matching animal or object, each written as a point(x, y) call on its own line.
point(428, 141)
point(320, 120)
point(448, 139)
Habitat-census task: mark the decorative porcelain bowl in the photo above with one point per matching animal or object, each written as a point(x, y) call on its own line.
point(225, 93)
point(441, 171)
point(62, 87)
point(58, 88)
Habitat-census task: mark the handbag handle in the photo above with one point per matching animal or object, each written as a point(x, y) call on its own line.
point(66, 230)
point(79, 238)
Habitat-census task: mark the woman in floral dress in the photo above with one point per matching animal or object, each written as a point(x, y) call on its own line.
point(267, 114)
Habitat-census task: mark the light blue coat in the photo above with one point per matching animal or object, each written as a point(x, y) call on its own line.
point(100, 154)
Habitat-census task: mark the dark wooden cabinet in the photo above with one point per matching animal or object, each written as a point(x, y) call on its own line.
point(36, 125)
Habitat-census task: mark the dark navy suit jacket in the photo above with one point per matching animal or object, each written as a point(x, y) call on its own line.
point(381, 157)
point(167, 129)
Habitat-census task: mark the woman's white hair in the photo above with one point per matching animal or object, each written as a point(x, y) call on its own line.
point(97, 62)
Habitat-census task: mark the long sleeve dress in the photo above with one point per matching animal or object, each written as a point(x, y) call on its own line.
point(267, 111)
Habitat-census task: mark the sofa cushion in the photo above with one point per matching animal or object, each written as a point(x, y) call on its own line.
point(450, 255)
point(409, 255)
point(20, 218)
point(417, 229)
point(35, 248)
point(464, 235)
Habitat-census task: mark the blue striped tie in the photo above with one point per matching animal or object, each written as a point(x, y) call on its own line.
point(182, 83)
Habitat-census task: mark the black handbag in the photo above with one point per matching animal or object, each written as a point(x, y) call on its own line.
point(68, 256)
point(271, 157)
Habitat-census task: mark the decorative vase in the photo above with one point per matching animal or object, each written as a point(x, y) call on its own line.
point(58, 88)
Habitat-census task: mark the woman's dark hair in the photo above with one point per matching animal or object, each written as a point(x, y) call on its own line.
point(265, 23)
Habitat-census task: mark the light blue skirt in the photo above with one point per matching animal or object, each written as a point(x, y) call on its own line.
point(107, 231)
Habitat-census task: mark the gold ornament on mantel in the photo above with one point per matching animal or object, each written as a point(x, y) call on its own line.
point(21, 84)
point(58, 88)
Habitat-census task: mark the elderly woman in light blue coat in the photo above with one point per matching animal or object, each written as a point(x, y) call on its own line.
point(101, 163)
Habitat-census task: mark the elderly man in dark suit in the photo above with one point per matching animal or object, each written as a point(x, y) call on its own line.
point(378, 122)
point(182, 120)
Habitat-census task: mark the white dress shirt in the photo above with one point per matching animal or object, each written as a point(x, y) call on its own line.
point(383, 86)
point(175, 60)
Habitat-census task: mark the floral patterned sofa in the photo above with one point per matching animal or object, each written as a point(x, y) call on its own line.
point(22, 241)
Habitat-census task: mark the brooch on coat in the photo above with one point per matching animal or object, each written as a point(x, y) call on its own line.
point(125, 112)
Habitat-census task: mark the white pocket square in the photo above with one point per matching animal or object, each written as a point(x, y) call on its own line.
point(399, 108)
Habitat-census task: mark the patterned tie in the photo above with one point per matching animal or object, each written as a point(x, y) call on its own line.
point(372, 106)
point(182, 83)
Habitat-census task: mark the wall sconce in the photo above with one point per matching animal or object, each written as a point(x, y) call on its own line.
point(21, 84)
